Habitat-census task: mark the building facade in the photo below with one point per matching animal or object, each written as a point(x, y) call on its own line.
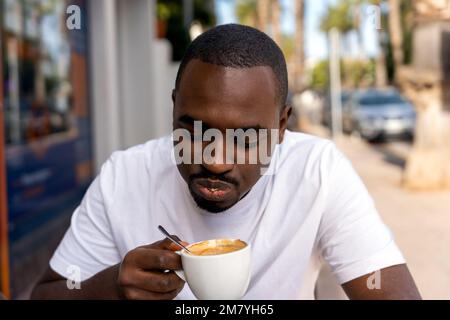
point(71, 92)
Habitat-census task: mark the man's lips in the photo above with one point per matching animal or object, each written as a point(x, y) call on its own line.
point(212, 190)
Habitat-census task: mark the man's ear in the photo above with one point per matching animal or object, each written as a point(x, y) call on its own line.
point(173, 96)
point(174, 93)
point(284, 117)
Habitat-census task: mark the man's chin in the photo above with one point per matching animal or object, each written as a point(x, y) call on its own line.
point(212, 206)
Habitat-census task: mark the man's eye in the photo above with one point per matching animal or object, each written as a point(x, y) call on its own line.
point(251, 145)
point(247, 144)
point(197, 137)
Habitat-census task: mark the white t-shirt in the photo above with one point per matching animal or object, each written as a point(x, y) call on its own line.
point(312, 207)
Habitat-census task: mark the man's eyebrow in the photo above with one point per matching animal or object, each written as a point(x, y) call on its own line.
point(255, 127)
point(188, 120)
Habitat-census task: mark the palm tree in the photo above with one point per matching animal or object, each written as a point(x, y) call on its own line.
point(339, 16)
point(380, 61)
point(358, 29)
point(263, 7)
point(261, 14)
point(275, 21)
point(396, 35)
point(299, 44)
point(246, 12)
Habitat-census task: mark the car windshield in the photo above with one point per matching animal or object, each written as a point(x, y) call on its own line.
point(380, 99)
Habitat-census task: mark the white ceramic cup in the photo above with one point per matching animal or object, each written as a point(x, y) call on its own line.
point(216, 277)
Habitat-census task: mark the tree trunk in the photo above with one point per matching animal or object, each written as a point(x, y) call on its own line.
point(299, 44)
point(380, 72)
point(263, 14)
point(276, 21)
point(396, 34)
point(380, 62)
point(357, 26)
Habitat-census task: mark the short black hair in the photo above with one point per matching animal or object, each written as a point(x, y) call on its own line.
point(238, 46)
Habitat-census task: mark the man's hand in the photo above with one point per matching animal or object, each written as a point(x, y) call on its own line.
point(146, 273)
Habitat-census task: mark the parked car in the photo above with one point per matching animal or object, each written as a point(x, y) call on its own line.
point(377, 114)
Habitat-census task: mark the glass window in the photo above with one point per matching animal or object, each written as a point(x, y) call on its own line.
point(36, 67)
point(47, 127)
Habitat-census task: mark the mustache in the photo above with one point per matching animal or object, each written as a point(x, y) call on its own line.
point(207, 175)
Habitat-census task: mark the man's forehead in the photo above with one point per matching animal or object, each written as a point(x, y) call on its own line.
point(204, 80)
point(197, 65)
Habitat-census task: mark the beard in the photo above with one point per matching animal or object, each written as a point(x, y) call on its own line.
point(211, 206)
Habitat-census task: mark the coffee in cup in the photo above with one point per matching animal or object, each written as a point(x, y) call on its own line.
point(216, 247)
point(216, 269)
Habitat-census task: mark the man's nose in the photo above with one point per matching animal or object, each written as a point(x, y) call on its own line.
point(218, 162)
point(218, 168)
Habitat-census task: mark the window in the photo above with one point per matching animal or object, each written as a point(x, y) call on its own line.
point(36, 70)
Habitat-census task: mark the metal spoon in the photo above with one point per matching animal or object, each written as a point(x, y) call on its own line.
point(164, 231)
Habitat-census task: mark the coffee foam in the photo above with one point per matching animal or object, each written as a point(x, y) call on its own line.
point(216, 247)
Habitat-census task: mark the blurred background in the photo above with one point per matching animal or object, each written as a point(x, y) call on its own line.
point(80, 79)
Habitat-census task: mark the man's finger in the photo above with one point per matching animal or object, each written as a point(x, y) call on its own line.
point(175, 247)
point(155, 259)
point(161, 282)
point(133, 293)
point(166, 244)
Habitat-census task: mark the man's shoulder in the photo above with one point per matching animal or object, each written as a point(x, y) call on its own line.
point(151, 154)
point(298, 144)
point(307, 157)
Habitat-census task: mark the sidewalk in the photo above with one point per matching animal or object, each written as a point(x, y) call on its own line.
point(420, 221)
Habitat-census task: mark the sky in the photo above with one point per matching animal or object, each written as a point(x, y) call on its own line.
point(316, 41)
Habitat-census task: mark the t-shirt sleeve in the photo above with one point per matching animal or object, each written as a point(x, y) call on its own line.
point(352, 237)
point(88, 246)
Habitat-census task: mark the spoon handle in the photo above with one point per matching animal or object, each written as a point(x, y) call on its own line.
point(164, 231)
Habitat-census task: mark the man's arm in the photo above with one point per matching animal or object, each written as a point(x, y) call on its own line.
point(101, 286)
point(142, 275)
point(391, 283)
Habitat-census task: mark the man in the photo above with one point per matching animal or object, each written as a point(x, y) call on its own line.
point(309, 205)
